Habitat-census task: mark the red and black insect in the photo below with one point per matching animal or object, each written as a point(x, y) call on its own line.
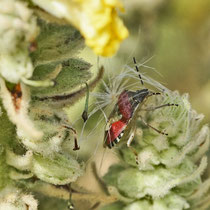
point(129, 104)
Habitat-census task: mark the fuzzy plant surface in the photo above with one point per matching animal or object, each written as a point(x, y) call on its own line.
point(40, 75)
point(163, 169)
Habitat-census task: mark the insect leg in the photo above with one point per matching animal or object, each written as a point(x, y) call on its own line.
point(76, 147)
point(129, 144)
point(150, 94)
point(152, 126)
point(158, 107)
point(130, 138)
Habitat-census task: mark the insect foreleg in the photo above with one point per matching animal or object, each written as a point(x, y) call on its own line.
point(130, 139)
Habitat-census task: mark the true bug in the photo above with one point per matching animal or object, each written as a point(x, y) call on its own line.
point(129, 105)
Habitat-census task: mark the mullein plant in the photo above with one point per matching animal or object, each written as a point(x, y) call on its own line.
point(40, 75)
point(160, 171)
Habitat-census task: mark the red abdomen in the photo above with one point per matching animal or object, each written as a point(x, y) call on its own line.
point(116, 131)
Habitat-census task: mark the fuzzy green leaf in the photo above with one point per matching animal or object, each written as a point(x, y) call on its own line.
point(56, 42)
point(59, 170)
point(73, 73)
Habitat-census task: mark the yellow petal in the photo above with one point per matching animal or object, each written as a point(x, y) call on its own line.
point(97, 21)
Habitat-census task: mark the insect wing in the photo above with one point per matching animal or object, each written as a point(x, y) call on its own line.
point(115, 132)
point(125, 105)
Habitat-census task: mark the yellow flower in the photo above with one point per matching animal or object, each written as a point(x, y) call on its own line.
point(97, 21)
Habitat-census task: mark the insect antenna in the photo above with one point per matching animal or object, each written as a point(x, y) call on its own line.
point(137, 69)
point(155, 93)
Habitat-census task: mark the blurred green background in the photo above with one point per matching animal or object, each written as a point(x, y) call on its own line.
point(175, 34)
